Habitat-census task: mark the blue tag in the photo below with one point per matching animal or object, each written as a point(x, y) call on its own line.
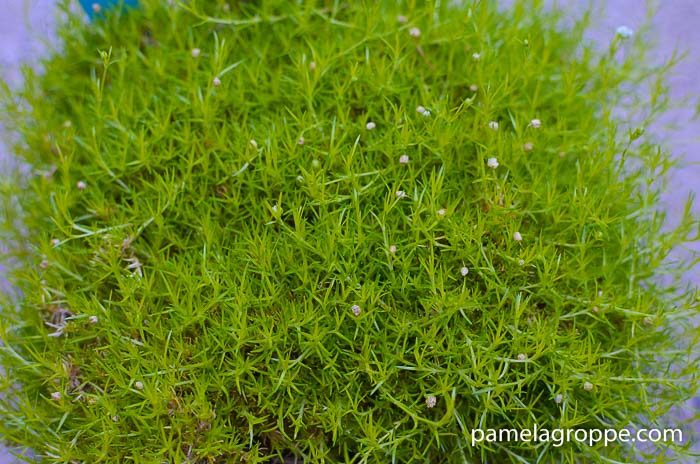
point(97, 7)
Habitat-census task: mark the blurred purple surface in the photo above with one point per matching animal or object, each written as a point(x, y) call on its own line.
point(26, 27)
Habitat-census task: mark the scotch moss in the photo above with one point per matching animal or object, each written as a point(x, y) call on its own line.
point(216, 264)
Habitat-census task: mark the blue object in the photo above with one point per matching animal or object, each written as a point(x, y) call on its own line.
point(97, 7)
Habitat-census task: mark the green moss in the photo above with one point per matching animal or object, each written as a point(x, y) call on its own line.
point(221, 292)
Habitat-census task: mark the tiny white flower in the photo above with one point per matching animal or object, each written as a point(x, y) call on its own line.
point(115, 418)
point(528, 146)
point(600, 293)
point(138, 385)
point(356, 310)
point(312, 66)
point(402, 19)
point(67, 123)
point(624, 32)
point(275, 209)
point(196, 52)
point(473, 87)
point(253, 143)
point(420, 109)
point(55, 242)
point(216, 82)
point(96, 8)
point(595, 309)
point(56, 396)
point(492, 163)
point(93, 319)
point(392, 249)
point(559, 398)
point(426, 113)
point(135, 265)
point(401, 194)
point(521, 262)
point(300, 178)
point(44, 264)
point(464, 271)
point(441, 212)
point(535, 123)
point(301, 141)
point(517, 237)
point(414, 32)
point(588, 386)
point(81, 185)
point(522, 357)
point(476, 56)
point(371, 125)
point(403, 159)
point(430, 401)
point(493, 125)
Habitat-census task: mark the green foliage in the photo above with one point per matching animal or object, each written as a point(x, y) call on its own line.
point(227, 273)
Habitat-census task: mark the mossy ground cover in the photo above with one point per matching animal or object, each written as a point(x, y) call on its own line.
point(338, 232)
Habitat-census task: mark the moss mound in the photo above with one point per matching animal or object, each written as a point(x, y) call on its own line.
point(337, 232)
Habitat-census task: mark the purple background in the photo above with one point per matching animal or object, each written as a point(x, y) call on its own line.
point(27, 25)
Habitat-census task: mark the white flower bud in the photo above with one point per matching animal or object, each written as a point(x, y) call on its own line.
point(624, 32)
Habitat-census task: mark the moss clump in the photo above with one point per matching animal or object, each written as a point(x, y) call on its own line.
point(243, 243)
